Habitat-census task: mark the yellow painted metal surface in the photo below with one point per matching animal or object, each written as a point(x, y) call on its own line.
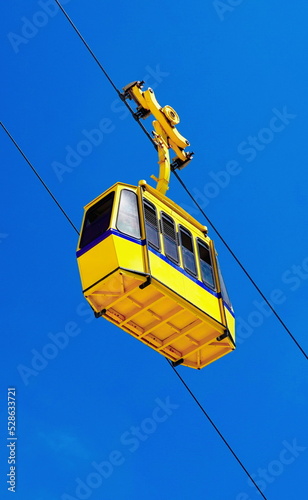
point(159, 318)
point(95, 265)
point(129, 254)
point(163, 159)
point(230, 323)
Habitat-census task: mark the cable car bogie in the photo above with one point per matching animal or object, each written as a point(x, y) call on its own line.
point(149, 267)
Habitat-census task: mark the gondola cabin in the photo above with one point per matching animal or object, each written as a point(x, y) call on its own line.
point(150, 268)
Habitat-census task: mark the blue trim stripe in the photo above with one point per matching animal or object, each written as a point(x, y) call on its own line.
point(228, 308)
point(158, 254)
point(109, 232)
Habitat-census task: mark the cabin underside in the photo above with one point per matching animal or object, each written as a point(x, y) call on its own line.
point(151, 312)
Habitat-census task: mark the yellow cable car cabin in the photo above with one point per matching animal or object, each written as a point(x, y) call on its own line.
point(150, 268)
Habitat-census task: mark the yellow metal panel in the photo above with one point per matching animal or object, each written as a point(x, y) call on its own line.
point(202, 299)
point(129, 254)
point(184, 286)
point(166, 274)
point(230, 323)
point(97, 262)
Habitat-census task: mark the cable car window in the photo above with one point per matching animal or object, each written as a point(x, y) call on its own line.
point(223, 288)
point(205, 264)
point(188, 251)
point(170, 239)
point(97, 220)
point(128, 216)
point(151, 225)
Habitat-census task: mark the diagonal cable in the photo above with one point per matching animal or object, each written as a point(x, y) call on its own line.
point(106, 74)
point(217, 430)
point(39, 177)
point(242, 267)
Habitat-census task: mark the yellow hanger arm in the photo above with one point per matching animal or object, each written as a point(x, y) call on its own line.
point(163, 158)
point(166, 135)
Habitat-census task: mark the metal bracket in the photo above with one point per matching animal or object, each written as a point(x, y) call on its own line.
point(223, 336)
point(100, 313)
point(178, 164)
point(127, 94)
point(177, 363)
point(145, 283)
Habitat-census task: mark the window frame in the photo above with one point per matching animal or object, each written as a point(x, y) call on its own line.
point(189, 234)
point(151, 205)
point(207, 246)
point(91, 209)
point(163, 216)
point(118, 214)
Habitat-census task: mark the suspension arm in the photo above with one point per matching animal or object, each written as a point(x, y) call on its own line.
point(166, 136)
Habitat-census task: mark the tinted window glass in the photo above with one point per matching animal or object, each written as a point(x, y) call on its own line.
point(205, 264)
point(128, 217)
point(151, 225)
point(97, 220)
point(170, 240)
point(187, 251)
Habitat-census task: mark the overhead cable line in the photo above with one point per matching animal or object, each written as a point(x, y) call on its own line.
point(242, 267)
point(217, 430)
point(39, 177)
point(121, 96)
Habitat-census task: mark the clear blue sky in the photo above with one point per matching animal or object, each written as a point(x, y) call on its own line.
point(236, 72)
